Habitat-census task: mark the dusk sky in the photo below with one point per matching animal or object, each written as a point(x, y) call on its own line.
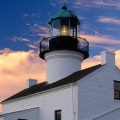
point(23, 23)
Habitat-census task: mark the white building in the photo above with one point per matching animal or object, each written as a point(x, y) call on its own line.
point(68, 93)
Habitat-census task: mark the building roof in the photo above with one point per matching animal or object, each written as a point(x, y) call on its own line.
point(43, 86)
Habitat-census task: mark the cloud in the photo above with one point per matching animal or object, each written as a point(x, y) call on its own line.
point(19, 39)
point(103, 3)
point(118, 58)
point(39, 30)
point(86, 26)
point(111, 49)
point(101, 39)
point(32, 46)
point(111, 29)
point(91, 61)
point(107, 3)
point(16, 67)
point(103, 42)
point(109, 20)
point(25, 15)
point(95, 60)
point(84, 3)
point(96, 3)
point(43, 35)
point(53, 4)
point(5, 51)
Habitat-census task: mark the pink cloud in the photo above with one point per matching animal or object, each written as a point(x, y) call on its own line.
point(31, 46)
point(36, 28)
point(103, 39)
point(20, 39)
point(109, 20)
point(41, 28)
point(5, 50)
point(43, 35)
point(96, 3)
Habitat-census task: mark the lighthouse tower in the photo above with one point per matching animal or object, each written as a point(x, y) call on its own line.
point(63, 51)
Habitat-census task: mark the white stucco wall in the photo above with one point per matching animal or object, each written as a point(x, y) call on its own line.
point(61, 64)
point(29, 114)
point(1, 118)
point(48, 102)
point(96, 94)
point(112, 115)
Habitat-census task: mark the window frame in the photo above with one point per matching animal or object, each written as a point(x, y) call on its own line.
point(116, 90)
point(56, 111)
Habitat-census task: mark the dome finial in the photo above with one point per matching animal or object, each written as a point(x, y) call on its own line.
point(64, 6)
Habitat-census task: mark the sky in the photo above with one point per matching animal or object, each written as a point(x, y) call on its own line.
point(23, 23)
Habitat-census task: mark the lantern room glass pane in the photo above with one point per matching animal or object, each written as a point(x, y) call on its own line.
point(64, 27)
point(54, 28)
point(50, 30)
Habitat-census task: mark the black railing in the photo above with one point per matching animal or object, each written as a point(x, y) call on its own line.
point(44, 45)
point(83, 46)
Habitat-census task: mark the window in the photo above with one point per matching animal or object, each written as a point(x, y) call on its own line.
point(58, 115)
point(117, 90)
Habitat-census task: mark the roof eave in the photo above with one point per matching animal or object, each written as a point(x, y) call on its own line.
point(41, 92)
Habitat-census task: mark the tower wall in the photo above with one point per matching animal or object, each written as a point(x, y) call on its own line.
point(61, 64)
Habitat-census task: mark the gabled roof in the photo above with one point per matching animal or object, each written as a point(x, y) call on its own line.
point(43, 86)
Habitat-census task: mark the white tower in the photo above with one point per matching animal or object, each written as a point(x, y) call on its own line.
point(63, 50)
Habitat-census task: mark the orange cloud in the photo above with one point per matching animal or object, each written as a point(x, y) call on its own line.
point(118, 58)
point(16, 67)
point(91, 61)
point(97, 60)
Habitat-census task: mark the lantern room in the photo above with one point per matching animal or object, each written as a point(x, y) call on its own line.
point(64, 23)
point(64, 34)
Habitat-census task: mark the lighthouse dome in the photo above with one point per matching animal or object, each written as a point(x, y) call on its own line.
point(64, 13)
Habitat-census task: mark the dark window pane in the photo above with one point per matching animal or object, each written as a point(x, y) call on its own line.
point(22, 119)
point(58, 115)
point(117, 90)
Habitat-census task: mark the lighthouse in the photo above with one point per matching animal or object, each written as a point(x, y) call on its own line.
point(63, 50)
point(69, 93)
